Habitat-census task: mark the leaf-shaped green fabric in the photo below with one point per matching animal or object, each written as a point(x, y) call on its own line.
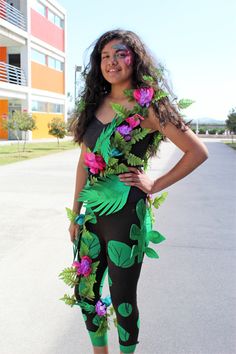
point(155, 237)
point(109, 280)
point(123, 334)
point(185, 103)
point(106, 196)
point(92, 244)
point(135, 232)
point(159, 200)
point(151, 253)
point(96, 320)
point(141, 210)
point(125, 309)
point(120, 110)
point(84, 250)
point(87, 307)
point(85, 317)
point(119, 253)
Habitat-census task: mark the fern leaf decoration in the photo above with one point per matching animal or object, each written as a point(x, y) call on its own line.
point(106, 196)
point(134, 160)
point(103, 143)
point(184, 103)
point(69, 276)
point(120, 110)
point(69, 300)
point(139, 134)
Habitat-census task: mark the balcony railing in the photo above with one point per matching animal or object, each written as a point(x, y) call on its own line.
point(12, 15)
point(12, 74)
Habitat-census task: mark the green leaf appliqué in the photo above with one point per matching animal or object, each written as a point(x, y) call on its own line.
point(119, 253)
point(125, 309)
point(93, 245)
point(123, 334)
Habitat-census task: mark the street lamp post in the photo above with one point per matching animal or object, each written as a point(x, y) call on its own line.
point(78, 68)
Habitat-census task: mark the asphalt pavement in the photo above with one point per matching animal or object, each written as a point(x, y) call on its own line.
point(186, 298)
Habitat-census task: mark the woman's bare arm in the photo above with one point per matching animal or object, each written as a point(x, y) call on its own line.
point(194, 150)
point(195, 153)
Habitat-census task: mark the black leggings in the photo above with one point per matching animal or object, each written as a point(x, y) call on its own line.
point(113, 232)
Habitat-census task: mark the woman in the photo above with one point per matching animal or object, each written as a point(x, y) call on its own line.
point(124, 114)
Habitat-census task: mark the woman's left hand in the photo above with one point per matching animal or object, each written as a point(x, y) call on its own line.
point(137, 178)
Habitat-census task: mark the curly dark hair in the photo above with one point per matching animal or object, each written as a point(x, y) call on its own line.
point(96, 87)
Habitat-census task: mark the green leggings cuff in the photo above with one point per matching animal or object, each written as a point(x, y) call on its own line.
point(127, 349)
point(98, 341)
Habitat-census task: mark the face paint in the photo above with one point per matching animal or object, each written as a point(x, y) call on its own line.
point(126, 52)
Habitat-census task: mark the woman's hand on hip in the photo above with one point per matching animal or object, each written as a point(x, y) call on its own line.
point(137, 178)
point(73, 230)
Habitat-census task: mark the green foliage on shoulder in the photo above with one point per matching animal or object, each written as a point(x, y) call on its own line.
point(120, 110)
point(139, 134)
point(184, 103)
point(134, 160)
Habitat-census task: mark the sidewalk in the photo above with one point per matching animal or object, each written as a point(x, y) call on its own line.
point(185, 297)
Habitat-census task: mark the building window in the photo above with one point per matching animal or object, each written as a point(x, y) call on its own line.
point(55, 19)
point(38, 106)
point(38, 57)
point(55, 64)
point(40, 8)
point(55, 108)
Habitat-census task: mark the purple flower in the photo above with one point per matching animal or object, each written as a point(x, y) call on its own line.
point(84, 267)
point(124, 129)
point(100, 308)
point(144, 96)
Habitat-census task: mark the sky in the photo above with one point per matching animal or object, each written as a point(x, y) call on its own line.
point(195, 40)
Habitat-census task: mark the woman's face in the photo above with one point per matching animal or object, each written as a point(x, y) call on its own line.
point(117, 62)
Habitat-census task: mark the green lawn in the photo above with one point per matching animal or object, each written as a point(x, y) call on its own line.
point(232, 145)
point(9, 153)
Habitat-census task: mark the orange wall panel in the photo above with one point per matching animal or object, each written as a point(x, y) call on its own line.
point(42, 120)
point(3, 113)
point(3, 54)
point(45, 78)
point(45, 30)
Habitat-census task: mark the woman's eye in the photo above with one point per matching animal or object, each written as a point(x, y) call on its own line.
point(105, 57)
point(121, 55)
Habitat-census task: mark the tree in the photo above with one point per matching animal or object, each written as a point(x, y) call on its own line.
point(18, 123)
point(57, 128)
point(231, 122)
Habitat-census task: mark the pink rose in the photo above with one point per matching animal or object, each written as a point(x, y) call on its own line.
point(134, 120)
point(94, 162)
point(144, 96)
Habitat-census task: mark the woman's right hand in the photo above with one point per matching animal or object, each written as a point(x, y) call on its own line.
point(73, 230)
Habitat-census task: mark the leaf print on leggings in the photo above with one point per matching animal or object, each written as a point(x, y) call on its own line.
point(125, 309)
point(123, 334)
point(119, 253)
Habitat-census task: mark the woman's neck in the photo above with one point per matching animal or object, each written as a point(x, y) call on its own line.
point(117, 92)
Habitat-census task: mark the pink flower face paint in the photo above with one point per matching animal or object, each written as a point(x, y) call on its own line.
point(123, 52)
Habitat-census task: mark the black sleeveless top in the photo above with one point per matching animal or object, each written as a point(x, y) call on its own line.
point(139, 149)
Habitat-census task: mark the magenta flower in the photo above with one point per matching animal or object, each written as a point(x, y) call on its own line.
point(100, 308)
point(144, 96)
point(84, 267)
point(94, 162)
point(134, 120)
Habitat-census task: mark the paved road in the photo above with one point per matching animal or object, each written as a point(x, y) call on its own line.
point(187, 297)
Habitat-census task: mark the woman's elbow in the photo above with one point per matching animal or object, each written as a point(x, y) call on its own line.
point(202, 154)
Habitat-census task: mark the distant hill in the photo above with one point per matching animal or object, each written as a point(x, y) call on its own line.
point(208, 121)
